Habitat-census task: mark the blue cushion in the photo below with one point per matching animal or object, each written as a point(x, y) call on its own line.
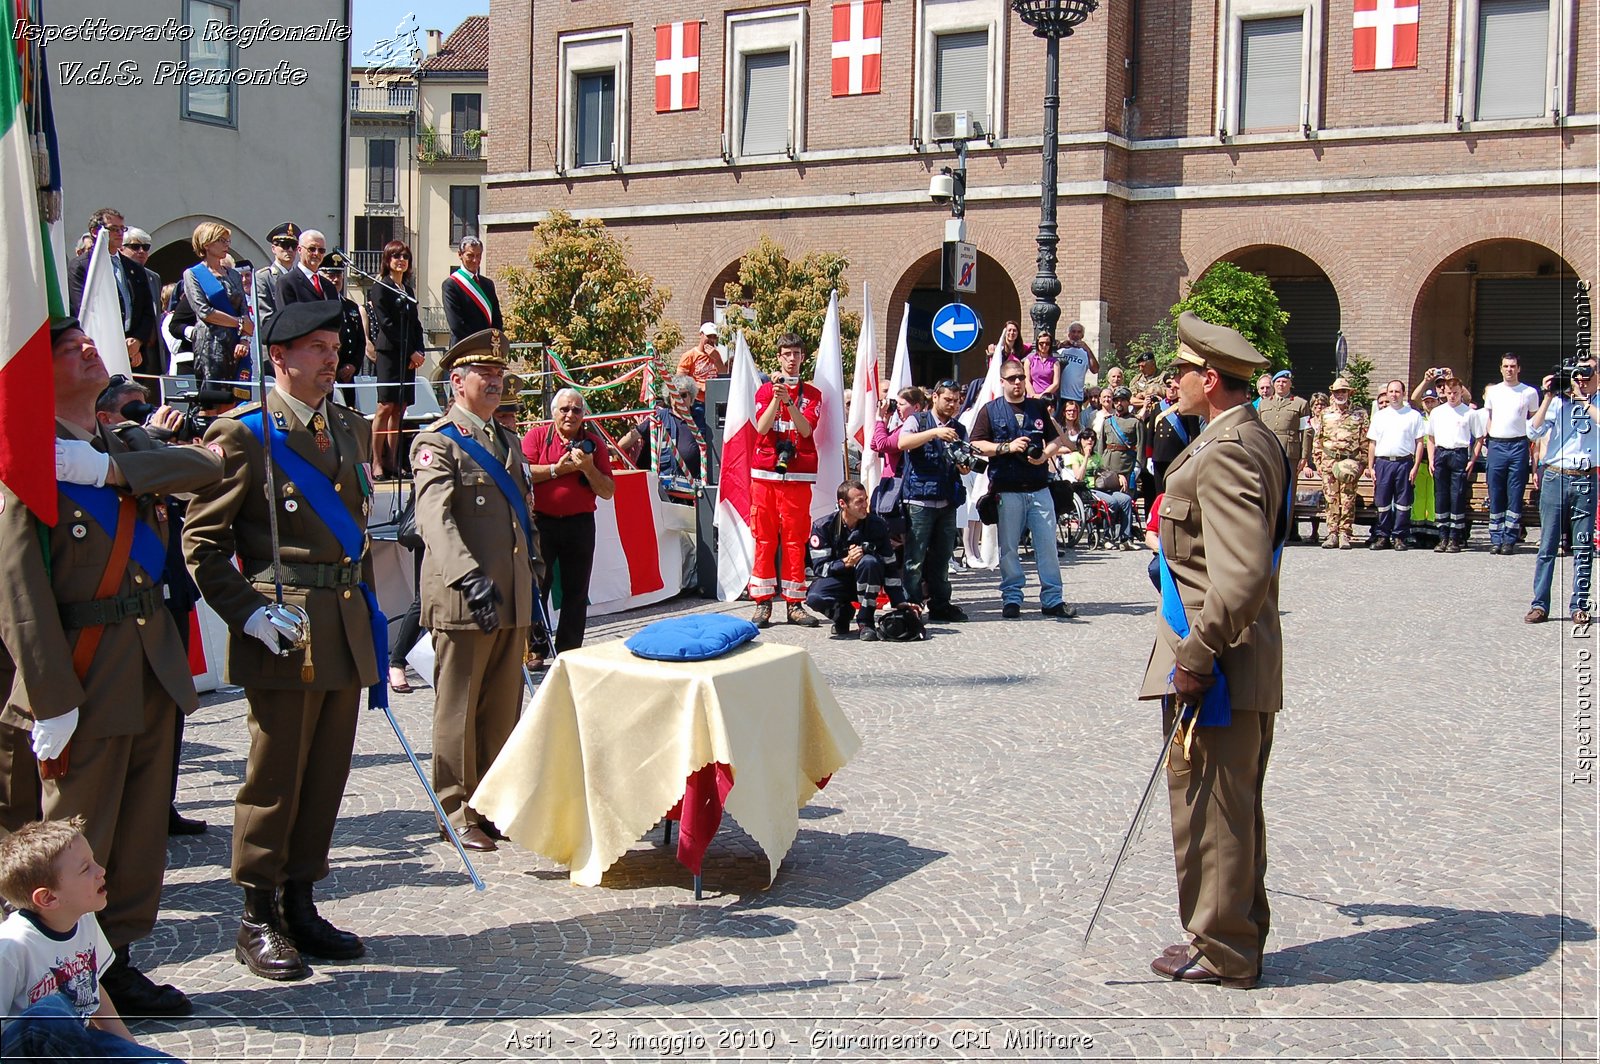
point(693, 638)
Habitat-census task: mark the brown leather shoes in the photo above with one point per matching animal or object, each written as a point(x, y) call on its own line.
point(1183, 968)
point(1536, 615)
point(472, 838)
point(1580, 618)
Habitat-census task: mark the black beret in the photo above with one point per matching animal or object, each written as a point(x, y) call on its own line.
point(295, 320)
point(58, 326)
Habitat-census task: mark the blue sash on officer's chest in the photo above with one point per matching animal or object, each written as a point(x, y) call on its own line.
point(1216, 706)
point(324, 501)
point(101, 504)
point(1169, 411)
point(499, 474)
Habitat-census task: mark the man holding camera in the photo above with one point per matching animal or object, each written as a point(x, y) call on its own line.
point(1566, 420)
point(1011, 432)
point(571, 473)
point(477, 575)
point(937, 456)
point(783, 470)
point(852, 559)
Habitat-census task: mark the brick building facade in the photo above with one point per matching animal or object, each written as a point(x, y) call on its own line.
point(1435, 214)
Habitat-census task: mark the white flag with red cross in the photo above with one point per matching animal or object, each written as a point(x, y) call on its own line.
point(678, 67)
point(1385, 34)
point(857, 47)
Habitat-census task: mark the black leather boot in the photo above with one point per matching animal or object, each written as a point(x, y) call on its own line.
point(311, 934)
point(262, 946)
point(135, 995)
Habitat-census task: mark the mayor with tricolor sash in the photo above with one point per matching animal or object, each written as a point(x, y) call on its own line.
point(302, 682)
point(1218, 655)
point(477, 586)
point(470, 303)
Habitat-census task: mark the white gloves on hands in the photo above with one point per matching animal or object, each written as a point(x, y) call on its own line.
point(51, 736)
point(77, 462)
point(275, 626)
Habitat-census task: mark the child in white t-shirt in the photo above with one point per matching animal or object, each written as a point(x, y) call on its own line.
point(52, 951)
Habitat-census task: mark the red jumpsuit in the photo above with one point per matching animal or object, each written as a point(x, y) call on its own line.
point(780, 503)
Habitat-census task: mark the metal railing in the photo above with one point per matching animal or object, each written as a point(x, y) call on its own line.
point(464, 147)
point(368, 261)
point(392, 99)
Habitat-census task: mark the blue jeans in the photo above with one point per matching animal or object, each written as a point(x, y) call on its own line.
point(1036, 511)
point(1121, 506)
point(1507, 462)
point(50, 1030)
point(1566, 505)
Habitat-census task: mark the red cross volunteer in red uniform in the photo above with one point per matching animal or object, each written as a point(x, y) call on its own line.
point(782, 473)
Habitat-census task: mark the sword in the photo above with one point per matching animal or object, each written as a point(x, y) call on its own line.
point(1136, 825)
point(472, 873)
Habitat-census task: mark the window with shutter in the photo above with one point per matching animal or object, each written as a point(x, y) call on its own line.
point(765, 126)
point(961, 73)
point(1513, 58)
point(594, 119)
point(380, 171)
point(1270, 52)
point(463, 213)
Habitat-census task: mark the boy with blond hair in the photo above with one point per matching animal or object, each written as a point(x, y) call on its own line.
point(52, 951)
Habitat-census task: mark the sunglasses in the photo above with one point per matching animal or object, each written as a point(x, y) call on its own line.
point(1014, 379)
point(137, 247)
point(286, 245)
point(949, 383)
point(313, 251)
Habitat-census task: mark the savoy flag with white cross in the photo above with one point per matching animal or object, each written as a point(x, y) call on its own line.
point(857, 47)
point(1385, 34)
point(678, 67)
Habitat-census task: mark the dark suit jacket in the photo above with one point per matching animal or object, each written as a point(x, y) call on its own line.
point(295, 287)
point(462, 312)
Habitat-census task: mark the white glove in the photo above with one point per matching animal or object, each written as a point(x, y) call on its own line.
point(51, 736)
point(276, 627)
point(77, 462)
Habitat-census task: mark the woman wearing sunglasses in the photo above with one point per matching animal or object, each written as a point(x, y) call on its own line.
point(397, 338)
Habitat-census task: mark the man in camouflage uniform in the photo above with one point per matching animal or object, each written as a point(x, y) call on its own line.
point(1340, 444)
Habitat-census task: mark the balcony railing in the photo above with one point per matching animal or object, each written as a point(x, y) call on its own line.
point(433, 319)
point(368, 261)
point(392, 99)
point(456, 147)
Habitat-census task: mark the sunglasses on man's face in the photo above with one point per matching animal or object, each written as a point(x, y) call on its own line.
point(137, 247)
point(1014, 379)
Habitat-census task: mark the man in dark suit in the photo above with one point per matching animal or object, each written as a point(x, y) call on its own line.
point(134, 294)
point(470, 303)
point(142, 320)
point(301, 284)
point(285, 240)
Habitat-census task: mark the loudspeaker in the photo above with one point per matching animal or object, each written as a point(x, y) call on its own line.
point(705, 542)
point(716, 421)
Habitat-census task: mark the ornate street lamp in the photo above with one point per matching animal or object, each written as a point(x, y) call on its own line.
point(1052, 20)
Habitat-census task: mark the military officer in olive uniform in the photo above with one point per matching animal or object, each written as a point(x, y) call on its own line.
point(100, 667)
point(1224, 515)
point(1289, 417)
point(477, 575)
point(302, 686)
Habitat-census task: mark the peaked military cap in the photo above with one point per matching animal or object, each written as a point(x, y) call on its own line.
point(486, 347)
point(286, 231)
point(1217, 347)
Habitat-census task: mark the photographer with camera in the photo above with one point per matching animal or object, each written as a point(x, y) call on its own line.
point(936, 456)
point(571, 471)
point(851, 558)
point(1566, 421)
point(783, 469)
point(1011, 432)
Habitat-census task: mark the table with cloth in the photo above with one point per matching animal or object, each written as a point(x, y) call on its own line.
point(613, 742)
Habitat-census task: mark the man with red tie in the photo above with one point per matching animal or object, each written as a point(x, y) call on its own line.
point(301, 283)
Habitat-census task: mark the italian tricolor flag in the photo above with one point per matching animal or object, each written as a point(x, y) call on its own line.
point(27, 283)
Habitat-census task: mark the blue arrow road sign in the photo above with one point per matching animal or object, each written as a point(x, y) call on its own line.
point(956, 327)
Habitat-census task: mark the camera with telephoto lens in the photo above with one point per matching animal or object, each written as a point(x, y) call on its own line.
point(963, 453)
point(583, 445)
point(785, 451)
point(195, 420)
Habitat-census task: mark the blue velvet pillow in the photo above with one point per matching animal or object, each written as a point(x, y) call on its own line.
point(693, 638)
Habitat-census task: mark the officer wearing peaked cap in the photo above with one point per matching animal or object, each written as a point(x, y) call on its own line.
point(472, 486)
point(1218, 647)
point(285, 241)
point(302, 693)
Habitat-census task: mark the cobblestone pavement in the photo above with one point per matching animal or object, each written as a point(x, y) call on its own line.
point(1432, 879)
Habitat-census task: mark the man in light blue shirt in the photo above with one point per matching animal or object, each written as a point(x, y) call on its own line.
point(1569, 424)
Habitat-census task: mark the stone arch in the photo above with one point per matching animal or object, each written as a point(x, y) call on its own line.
point(1242, 233)
point(170, 244)
point(917, 286)
point(1533, 227)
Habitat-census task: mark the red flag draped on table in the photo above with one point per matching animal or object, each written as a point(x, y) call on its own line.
point(30, 293)
point(736, 543)
point(864, 395)
point(1385, 34)
point(828, 436)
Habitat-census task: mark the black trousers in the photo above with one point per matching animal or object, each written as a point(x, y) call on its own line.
point(409, 629)
point(568, 547)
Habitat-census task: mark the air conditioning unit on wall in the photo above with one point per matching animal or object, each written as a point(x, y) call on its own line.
point(956, 125)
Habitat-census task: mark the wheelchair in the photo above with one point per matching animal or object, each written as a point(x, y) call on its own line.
point(1080, 517)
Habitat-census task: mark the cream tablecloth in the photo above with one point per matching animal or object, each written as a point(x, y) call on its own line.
point(607, 745)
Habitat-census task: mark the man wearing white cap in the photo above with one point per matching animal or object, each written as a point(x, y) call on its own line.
point(704, 360)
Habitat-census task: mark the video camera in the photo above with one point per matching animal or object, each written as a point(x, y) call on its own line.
point(196, 419)
point(963, 453)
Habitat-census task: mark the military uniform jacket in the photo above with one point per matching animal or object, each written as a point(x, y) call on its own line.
point(467, 523)
point(1225, 498)
point(231, 519)
point(36, 588)
point(1284, 417)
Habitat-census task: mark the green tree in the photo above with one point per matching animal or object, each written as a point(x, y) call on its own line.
point(789, 296)
point(580, 297)
point(1160, 340)
point(1358, 371)
point(1239, 299)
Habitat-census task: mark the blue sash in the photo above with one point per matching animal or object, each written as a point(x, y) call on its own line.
point(1138, 459)
point(1216, 706)
point(499, 474)
point(328, 504)
point(216, 292)
point(1176, 420)
point(101, 504)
